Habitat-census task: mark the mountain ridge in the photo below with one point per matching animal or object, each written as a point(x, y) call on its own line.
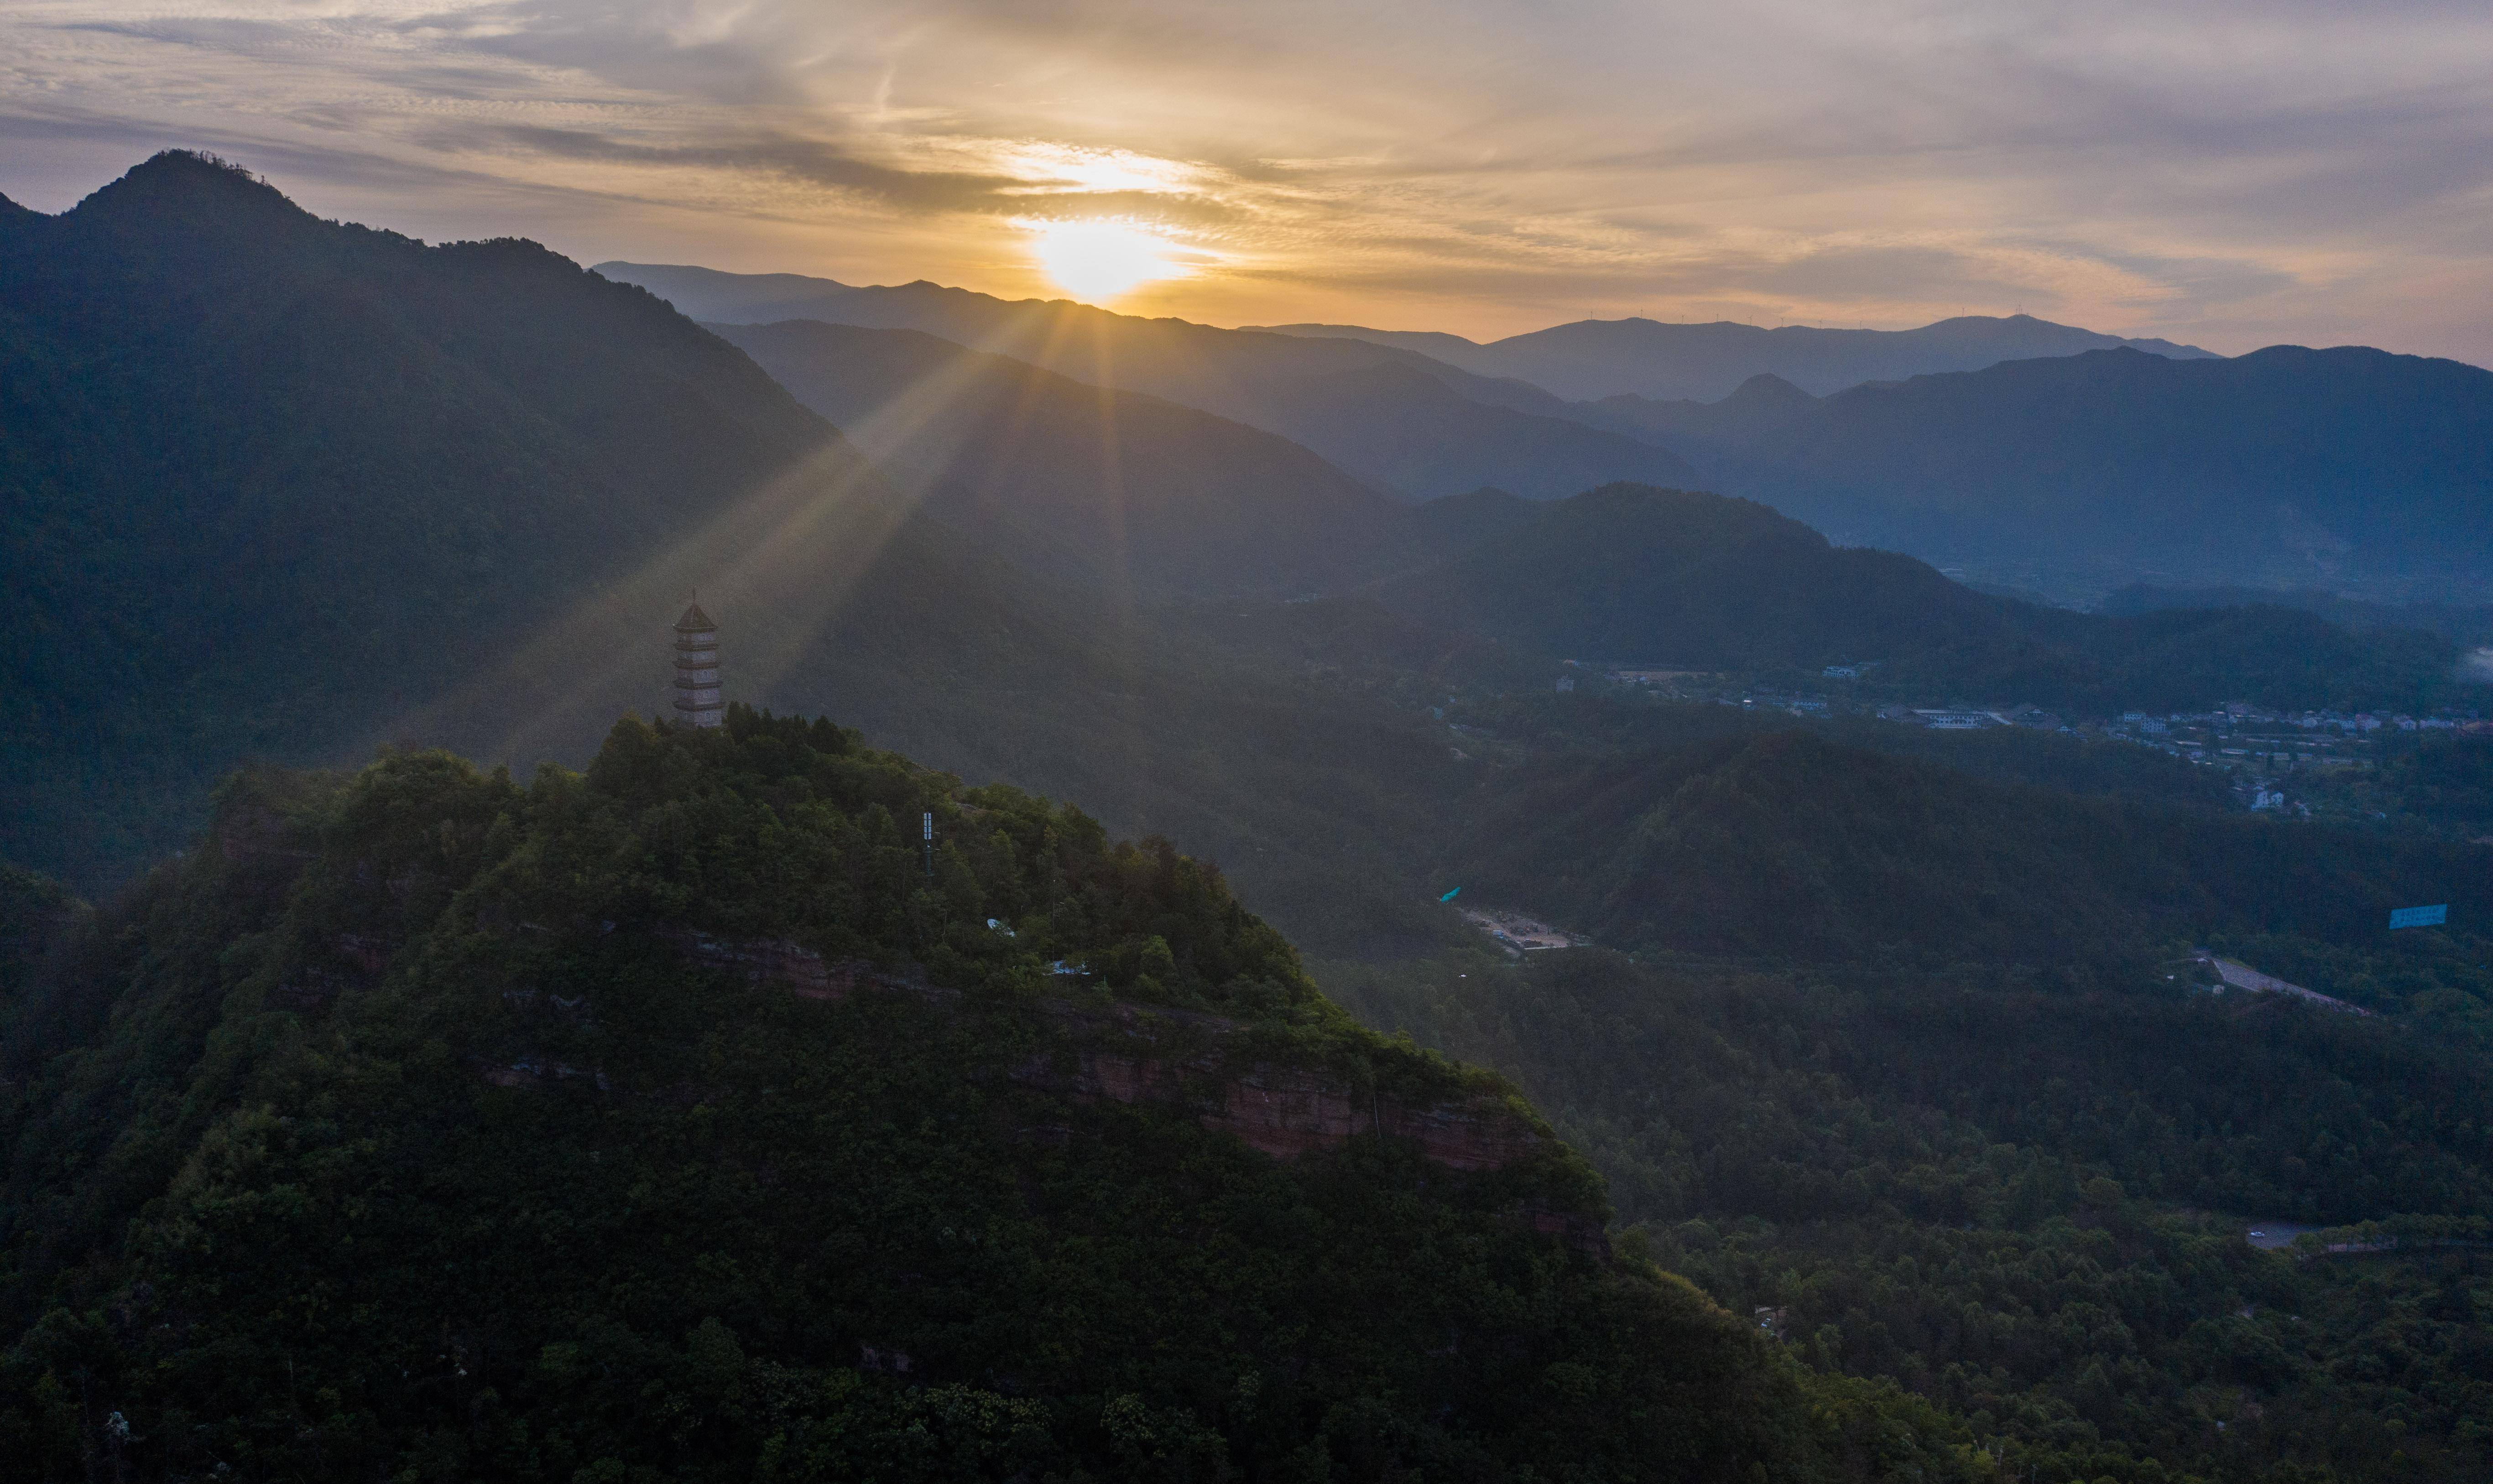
point(2284, 468)
point(1129, 491)
point(1266, 382)
point(1591, 359)
point(1634, 575)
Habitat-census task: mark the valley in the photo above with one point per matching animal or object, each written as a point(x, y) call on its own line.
point(1266, 903)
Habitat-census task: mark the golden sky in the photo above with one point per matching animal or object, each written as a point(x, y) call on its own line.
point(2233, 173)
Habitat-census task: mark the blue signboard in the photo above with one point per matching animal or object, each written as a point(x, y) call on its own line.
point(2420, 916)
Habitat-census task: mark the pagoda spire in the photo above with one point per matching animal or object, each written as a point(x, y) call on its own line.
point(697, 701)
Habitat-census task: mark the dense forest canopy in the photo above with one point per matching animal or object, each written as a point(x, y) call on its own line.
point(1787, 846)
point(2029, 1203)
point(531, 1188)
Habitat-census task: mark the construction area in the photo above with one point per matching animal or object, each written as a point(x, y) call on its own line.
point(1517, 933)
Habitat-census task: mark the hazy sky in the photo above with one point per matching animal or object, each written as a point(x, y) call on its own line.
point(2235, 173)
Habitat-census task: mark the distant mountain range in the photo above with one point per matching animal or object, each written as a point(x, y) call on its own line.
point(1592, 359)
point(1123, 491)
point(2343, 468)
point(685, 1111)
point(282, 489)
point(1664, 577)
point(285, 488)
point(1396, 419)
point(2039, 456)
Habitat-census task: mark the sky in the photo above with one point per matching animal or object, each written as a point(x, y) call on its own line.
point(2231, 173)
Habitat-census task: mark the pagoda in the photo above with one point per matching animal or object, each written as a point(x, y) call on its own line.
point(697, 699)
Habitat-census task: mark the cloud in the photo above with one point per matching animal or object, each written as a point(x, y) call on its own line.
point(2252, 170)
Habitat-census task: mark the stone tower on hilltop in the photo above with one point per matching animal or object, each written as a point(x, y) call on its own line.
point(697, 669)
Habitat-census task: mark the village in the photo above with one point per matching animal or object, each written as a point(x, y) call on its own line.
point(2285, 763)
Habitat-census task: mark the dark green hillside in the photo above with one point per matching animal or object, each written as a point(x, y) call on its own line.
point(2032, 1204)
point(1667, 577)
point(1124, 490)
point(35, 914)
point(2468, 625)
point(270, 480)
point(672, 1121)
point(1788, 847)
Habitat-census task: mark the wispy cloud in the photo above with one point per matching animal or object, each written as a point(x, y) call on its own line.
point(2232, 171)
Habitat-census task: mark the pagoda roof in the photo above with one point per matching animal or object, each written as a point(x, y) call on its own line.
point(694, 619)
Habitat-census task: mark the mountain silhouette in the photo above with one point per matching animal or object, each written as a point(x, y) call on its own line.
point(1640, 575)
point(1592, 359)
point(1417, 433)
point(2287, 468)
point(1117, 487)
point(273, 482)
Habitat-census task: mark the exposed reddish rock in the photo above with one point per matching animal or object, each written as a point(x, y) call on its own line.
point(1286, 1112)
point(1283, 1112)
point(1461, 1138)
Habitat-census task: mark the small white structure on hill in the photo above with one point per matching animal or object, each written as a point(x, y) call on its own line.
point(697, 699)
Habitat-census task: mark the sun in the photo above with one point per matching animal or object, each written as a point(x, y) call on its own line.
point(1101, 260)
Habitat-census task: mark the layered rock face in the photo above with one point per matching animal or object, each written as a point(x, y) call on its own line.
point(1284, 1111)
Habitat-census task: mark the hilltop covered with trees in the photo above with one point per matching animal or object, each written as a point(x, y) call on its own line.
point(428, 1126)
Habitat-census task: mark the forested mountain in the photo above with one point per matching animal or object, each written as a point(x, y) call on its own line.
point(290, 488)
point(2467, 624)
point(1432, 430)
point(2031, 1203)
point(1790, 848)
point(1632, 575)
point(1112, 488)
point(663, 1121)
point(389, 492)
point(646, 1117)
point(272, 482)
point(2343, 468)
point(1591, 359)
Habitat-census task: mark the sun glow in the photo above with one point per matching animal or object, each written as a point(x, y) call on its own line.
point(1101, 260)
